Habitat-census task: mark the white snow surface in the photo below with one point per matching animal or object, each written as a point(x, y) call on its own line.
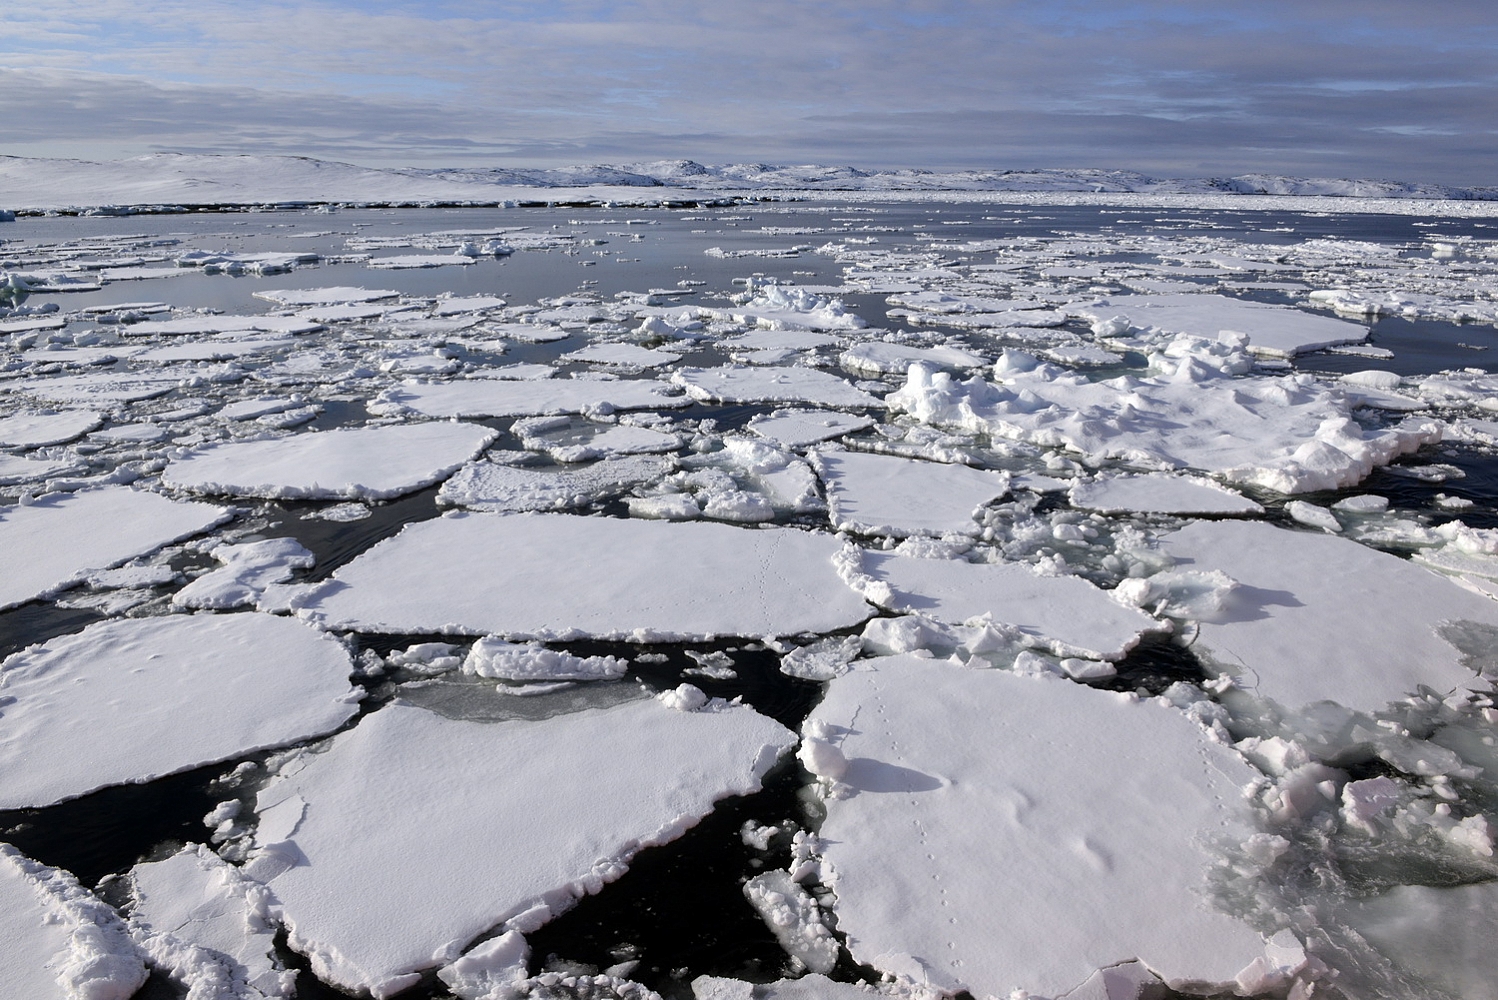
point(1073, 617)
point(741, 384)
point(57, 940)
point(33, 430)
point(54, 542)
point(498, 488)
point(1159, 494)
point(133, 699)
point(560, 576)
point(523, 398)
point(1317, 617)
point(798, 428)
point(537, 814)
point(364, 463)
point(888, 495)
point(988, 846)
point(1272, 330)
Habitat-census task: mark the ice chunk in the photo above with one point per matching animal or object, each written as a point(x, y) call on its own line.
point(1159, 494)
point(1442, 935)
point(622, 356)
point(558, 576)
point(201, 921)
point(487, 969)
point(491, 486)
point(1069, 615)
point(210, 323)
point(371, 463)
point(738, 384)
point(54, 542)
point(33, 430)
point(341, 295)
point(987, 847)
point(1317, 617)
point(504, 792)
point(522, 398)
point(59, 942)
point(794, 918)
point(134, 699)
point(408, 261)
point(885, 495)
point(249, 568)
point(493, 657)
point(876, 357)
point(809, 987)
point(798, 428)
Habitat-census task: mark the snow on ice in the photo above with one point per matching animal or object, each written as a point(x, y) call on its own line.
point(738, 384)
point(886, 495)
point(521, 398)
point(34, 430)
point(1159, 494)
point(498, 488)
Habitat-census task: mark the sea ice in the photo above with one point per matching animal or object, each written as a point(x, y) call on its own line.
point(133, 699)
point(511, 661)
point(367, 463)
point(54, 542)
point(1277, 331)
point(1315, 617)
point(210, 323)
point(249, 568)
point(16, 469)
point(1159, 494)
point(978, 844)
point(886, 495)
point(341, 295)
point(622, 356)
point(498, 488)
point(563, 576)
point(534, 816)
point(875, 357)
point(490, 397)
point(1441, 934)
point(738, 384)
point(33, 430)
point(1070, 615)
point(798, 428)
point(57, 940)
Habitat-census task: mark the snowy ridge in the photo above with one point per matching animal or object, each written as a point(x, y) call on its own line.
point(165, 180)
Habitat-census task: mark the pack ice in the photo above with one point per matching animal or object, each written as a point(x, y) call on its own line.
point(534, 816)
point(886, 495)
point(559, 576)
point(133, 699)
point(52, 543)
point(33, 430)
point(1275, 331)
point(741, 384)
point(371, 463)
point(997, 832)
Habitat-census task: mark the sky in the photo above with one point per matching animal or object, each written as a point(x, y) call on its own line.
point(1391, 89)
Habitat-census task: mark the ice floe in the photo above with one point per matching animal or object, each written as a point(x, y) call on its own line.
point(54, 542)
point(133, 699)
point(249, 568)
point(1277, 331)
point(500, 488)
point(799, 428)
point(972, 842)
point(500, 862)
point(371, 463)
point(738, 384)
point(1159, 494)
point(887, 495)
point(521, 398)
point(34, 430)
point(568, 577)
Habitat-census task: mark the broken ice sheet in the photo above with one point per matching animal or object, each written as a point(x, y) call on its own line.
point(1317, 617)
point(57, 940)
point(504, 791)
point(559, 576)
point(738, 384)
point(54, 542)
point(984, 846)
point(499, 488)
point(133, 699)
point(1065, 613)
point(1159, 494)
point(249, 568)
point(369, 463)
point(886, 495)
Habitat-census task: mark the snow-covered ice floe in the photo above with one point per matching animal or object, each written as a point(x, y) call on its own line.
point(369, 463)
point(522, 398)
point(491, 486)
point(54, 542)
point(997, 832)
point(739, 384)
point(133, 699)
point(1276, 331)
point(566, 577)
point(887, 495)
point(34, 430)
point(799, 428)
point(1159, 494)
point(539, 814)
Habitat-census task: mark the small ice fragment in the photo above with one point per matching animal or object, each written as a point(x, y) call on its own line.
point(486, 969)
point(1313, 516)
point(249, 568)
point(491, 656)
point(794, 918)
point(683, 698)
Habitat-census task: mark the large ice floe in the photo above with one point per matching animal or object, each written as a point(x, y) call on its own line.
point(521, 398)
point(887, 495)
point(133, 699)
point(738, 384)
point(567, 577)
point(972, 842)
point(1276, 331)
point(370, 463)
point(549, 812)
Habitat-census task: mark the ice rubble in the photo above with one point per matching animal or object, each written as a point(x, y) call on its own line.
point(197, 918)
point(52, 543)
point(249, 568)
point(973, 842)
point(493, 657)
point(370, 463)
point(34, 430)
point(739, 384)
point(1276, 331)
point(1287, 434)
point(494, 397)
point(1316, 617)
point(1159, 494)
point(1066, 614)
point(886, 495)
point(561, 576)
point(133, 699)
point(57, 940)
point(329, 819)
point(497, 488)
point(809, 987)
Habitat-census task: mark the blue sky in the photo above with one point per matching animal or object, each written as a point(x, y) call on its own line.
point(1373, 88)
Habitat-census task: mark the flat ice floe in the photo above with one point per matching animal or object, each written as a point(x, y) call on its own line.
point(886, 495)
point(1018, 833)
point(1316, 617)
point(491, 486)
point(495, 397)
point(1159, 494)
point(622, 356)
point(559, 576)
point(1277, 331)
point(335, 296)
point(57, 940)
point(133, 699)
point(534, 815)
point(33, 430)
point(739, 384)
point(367, 463)
point(876, 357)
point(1068, 614)
point(54, 542)
point(798, 428)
